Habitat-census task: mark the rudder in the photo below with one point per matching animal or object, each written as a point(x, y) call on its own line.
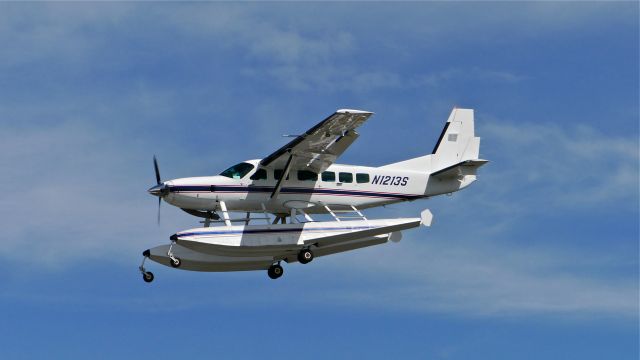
point(457, 142)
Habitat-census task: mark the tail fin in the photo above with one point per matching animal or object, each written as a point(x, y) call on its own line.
point(455, 157)
point(457, 141)
point(453, 163)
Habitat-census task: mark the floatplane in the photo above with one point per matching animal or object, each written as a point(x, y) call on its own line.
point(278, 194)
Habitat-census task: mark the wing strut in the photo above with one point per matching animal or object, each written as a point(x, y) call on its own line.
point(285, 174)
point(225, 213)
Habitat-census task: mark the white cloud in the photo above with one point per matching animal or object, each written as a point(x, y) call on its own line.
point(50, 32)
point(61, 205)
point(486, 278)
point(76, 187)
point(291, 51)
point(79, 193)
point(568, 166)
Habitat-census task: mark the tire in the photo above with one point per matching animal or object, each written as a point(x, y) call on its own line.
point(275, 271)
point(175, 263)
point(147, 276)
point(305, 256)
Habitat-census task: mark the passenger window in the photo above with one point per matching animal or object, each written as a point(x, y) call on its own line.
point(362, 178)
point(329, 176)
point(277, 174)
point(260, 174)
point(304, 175)
point(345, 177)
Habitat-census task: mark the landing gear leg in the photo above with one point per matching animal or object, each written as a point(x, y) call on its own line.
point(147, 276)
point(173, 261)
point(275, 271)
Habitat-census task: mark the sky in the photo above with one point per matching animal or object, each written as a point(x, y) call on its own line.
point(537, 259)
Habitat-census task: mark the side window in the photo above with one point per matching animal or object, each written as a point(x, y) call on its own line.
point(304, 175)
point(345, 177)
point(362, 178)
point(329, 176)
point(260, 174)
point(277, 174)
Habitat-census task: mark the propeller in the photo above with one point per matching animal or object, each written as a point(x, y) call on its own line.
point(159, 206)
point(160, 189)
point(155, 166)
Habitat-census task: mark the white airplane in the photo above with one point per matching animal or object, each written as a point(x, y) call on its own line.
point(300, 179)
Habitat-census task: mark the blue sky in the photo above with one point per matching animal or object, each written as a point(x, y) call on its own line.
point(538, 259)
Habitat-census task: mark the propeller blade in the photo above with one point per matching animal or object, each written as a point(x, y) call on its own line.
point(159, 203)
point(155, 166)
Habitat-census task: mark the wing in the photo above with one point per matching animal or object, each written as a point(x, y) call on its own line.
point(319, 147)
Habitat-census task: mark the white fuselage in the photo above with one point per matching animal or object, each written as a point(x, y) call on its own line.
point(373, 187)
point(302, 177)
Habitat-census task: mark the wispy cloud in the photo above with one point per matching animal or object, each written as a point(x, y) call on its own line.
point(63, 178)
point(294, 54)
point(488, 278)
point(81, 173)
point(76, 192)
point(563, 165)
point(284, 49)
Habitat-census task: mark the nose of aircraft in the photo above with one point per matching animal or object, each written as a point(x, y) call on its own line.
point(159, 190)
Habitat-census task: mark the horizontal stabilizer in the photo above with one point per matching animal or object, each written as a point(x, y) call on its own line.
point(467, 167)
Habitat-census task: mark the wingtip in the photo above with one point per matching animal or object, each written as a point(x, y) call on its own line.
point(426, 217)
point(353, 111)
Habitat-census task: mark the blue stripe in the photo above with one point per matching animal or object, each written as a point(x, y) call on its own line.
point(269, 189)
point(262, 231)
point(199, 188)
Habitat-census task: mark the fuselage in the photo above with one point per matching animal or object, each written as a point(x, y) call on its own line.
point(302, 176)
point(249, 187)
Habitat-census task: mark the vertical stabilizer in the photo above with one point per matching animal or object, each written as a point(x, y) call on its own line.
point(457, 142)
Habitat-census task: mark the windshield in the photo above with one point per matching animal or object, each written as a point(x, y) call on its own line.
point(238, 171)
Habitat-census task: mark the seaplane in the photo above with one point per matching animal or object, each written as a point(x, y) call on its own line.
point(277, 196)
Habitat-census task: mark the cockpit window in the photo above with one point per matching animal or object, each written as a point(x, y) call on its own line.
point(238, 171)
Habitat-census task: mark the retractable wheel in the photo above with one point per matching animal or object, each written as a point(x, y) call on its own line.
point(147, 276)
point(175, 262)
point(305, 256)
point(275, 271)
